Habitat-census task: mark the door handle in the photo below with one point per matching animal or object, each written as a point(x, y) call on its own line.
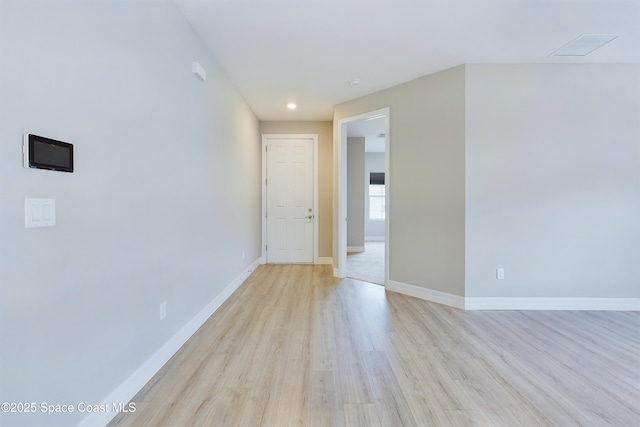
point(310, 217)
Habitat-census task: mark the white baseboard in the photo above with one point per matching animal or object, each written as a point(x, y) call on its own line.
point(597, 304)
point(426, 294)
point(374, 238)
point(506, 303)
point(479, 303)
point(355, 248)
point(132, 385)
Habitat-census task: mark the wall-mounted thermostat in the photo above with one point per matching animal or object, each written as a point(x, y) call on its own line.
point(46, 153)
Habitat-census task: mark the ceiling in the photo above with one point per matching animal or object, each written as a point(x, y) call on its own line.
point(372, 130)
point(307, 51)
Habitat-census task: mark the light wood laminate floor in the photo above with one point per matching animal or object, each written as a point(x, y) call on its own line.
point(295, 347)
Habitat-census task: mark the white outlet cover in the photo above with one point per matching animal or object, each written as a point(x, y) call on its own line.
point(163, 310)
point(197, 69)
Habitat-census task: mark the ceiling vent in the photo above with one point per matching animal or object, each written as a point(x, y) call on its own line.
point(585, 44)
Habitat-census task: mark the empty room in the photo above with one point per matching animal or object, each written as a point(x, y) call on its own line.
point(176, 198)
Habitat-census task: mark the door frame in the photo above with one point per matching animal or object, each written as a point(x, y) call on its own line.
point(340, 168)
point(265, 139)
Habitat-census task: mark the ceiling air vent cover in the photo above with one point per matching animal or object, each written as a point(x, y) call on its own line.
point(585, 44)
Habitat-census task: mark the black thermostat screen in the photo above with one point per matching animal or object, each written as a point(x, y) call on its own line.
point(51, 154)
point(46, 153)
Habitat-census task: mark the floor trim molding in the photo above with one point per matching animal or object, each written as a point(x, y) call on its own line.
point(426, 294)
point(355, 249)
point(327, 260)
point(508, 303)
point(132, 385)
point(535, 303)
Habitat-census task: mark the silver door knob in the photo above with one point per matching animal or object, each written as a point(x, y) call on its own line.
point(310, 217)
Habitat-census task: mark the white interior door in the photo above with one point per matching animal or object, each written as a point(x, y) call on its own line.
point(290, 212)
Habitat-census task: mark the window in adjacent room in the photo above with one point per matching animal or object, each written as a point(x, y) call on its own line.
point(376, 196)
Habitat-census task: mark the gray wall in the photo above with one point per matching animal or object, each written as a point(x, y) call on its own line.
point(324, 130)
point(373, 162)
point(164, 199)
point(427, 140)
point(355, 192)
point(531, 168)
point(553, 180)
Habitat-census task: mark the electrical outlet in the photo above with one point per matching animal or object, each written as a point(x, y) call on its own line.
point(500, 274)
point(163, 310)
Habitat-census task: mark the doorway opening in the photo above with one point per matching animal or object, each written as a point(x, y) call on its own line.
point(363, 197)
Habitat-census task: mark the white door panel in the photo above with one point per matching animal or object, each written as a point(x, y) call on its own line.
point(290, 200)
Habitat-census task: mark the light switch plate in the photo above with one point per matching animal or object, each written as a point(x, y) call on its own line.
point(39, 213)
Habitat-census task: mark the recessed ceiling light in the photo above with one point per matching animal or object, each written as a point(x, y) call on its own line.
point(292, 106)
point(585, 44)
point(354, 82)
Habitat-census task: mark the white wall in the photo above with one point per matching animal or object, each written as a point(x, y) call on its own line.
point(355, 193)
point(553, 180)
point(373, 162)
point(164, 199)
